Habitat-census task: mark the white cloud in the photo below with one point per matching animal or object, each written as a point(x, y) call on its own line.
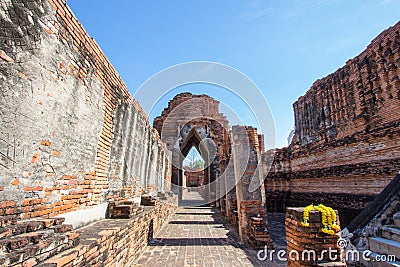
point(256, 14)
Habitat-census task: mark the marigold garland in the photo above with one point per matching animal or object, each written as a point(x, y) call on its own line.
point(306, 215)
point(328, 218)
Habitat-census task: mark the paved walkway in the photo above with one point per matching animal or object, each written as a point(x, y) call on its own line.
point(196, 236)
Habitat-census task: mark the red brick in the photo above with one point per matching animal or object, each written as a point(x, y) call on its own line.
point(36, 188)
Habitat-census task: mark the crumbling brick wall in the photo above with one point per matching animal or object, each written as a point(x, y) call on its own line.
point(114, 242)
point(346, 147)
point(58, 103)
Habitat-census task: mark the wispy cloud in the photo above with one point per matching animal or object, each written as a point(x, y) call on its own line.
point(256, 14)
point(301, 7)
point(314, 4)
point(384, 2)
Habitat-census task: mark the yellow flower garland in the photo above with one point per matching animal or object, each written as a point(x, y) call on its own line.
point(328, 218)
point(306, 215)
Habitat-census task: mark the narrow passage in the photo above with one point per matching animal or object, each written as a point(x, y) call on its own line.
point(196, 236)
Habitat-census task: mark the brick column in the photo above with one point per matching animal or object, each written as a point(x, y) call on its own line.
point(230, 197)
point(303, 242)
point(250, 193)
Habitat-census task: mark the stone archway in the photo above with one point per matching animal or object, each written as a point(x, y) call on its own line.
point(194, 121)
point(192, 136)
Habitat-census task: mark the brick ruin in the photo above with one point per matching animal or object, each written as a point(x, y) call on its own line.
point(346, 146)
point(82, 170)
point(67, 119)
point(86, 180)
point(195, 121)
point(190, 121)
point(194, 177)
point(70, 138)
point(301, 239)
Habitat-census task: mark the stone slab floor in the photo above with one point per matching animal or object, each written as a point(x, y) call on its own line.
point(197, 236)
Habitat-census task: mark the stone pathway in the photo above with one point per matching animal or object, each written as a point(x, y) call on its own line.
point(196, 236)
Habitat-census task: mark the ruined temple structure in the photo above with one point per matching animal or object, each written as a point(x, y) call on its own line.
point(87, 180)
point(195, 121)
point(73, 142)
point(346, 147)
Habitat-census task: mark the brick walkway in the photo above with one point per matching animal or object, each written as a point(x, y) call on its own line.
point(196, 236)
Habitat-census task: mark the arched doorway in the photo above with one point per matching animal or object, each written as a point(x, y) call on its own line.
point(194, 121)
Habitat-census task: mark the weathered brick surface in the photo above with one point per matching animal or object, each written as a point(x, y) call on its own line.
point(346, 146)
point(114, 242)
point(71, 137)
point(61, 145)
point(251, 208)
point(123, 209)
point(139, 160)
point(30, 242)
point(301, 239)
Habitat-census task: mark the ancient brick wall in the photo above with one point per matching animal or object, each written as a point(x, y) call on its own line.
point(108, 242)
point(115, 242)
point(59, 116)
point(362, 96)
point(346, 147)
point(139, 159)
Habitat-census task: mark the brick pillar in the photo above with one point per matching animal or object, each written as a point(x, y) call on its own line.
point(302, 240)
point(230, 198)
point(222, 187)
point(220, 190)
point(217, 187)
point(250, 199)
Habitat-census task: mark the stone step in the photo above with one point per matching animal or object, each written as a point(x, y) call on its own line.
point(25, 243)
point(375, 260)
point(62, 228)
point(147, 201)
point(14, 228)
point(384, 246)
point(61, 259)
point(22, 251)
point(127, 202)
point(124, 211)
point(50, 222)
point(391, 233)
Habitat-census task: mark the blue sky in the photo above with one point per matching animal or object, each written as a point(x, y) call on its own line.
point(283, 46)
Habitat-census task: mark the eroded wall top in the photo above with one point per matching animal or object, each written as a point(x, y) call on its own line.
point(362, 96)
